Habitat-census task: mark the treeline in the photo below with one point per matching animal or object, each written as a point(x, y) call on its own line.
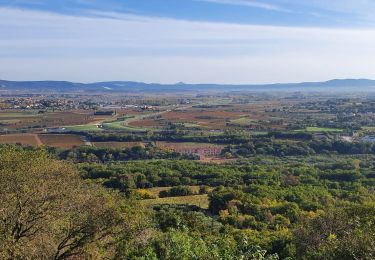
point(168, 136)
point(344, 174)
point(174, 135)
point(238, 145)
point(138, 174)
point(277, 147)
point(105, 155)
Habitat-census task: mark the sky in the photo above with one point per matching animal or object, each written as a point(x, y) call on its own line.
point(191, 41)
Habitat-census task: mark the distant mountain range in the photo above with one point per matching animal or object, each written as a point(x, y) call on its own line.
point(129, 86)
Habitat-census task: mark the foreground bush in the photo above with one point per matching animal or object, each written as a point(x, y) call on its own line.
point(48, 212)
point(339, 233)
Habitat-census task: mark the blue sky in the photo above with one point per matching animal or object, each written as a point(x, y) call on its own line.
point(272, 12)
point(218, 41)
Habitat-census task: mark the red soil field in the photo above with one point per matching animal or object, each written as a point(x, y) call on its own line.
point(146, 123)
point(61, 141)
point(199, 115)
point(23, 139)
point(21, 119)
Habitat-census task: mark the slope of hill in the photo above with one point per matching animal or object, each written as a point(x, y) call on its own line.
point(130, 86)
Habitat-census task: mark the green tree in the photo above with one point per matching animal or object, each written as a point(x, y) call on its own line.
point(340, 233)
point(48, 212)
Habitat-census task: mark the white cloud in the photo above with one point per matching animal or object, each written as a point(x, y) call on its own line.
point(342, 6)
point(359, 12)
point(40, 45)
point(248, 3)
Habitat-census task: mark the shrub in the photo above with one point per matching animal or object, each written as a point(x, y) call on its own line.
point(176, 192)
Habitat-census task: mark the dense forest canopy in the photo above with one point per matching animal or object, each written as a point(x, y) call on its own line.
point(310, 208)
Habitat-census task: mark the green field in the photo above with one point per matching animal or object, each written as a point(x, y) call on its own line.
point(117, 125)
point(19, 114)
point(10, 121)
point(243, 121)
point(191, 125)
point(121, 126)
point(88, 128)
point(368, 128)
point(314, 129)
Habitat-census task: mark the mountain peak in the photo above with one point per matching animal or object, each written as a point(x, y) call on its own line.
point(180, 83)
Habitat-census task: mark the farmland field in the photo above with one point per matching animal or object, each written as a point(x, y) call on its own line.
point(16, 120)
point(88, 128)
point(117, 145)
point(321, 129)
point(61, 141)
point(204, 118)
point(121, 126)
point(243, 121)
point(143, 122)
point(146, 123)
point(24, 139)
point(11, 114)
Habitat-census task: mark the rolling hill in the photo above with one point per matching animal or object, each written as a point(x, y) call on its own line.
point(130, 86)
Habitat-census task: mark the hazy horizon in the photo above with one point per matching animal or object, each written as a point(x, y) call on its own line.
point(184, 83)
